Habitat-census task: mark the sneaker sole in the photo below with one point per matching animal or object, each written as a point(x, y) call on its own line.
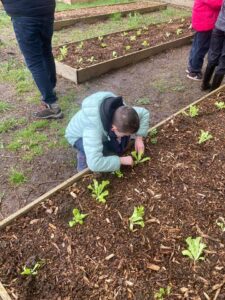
point(193, 78)
point(54, 116)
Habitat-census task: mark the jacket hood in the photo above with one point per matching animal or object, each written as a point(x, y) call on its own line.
point(107, 109)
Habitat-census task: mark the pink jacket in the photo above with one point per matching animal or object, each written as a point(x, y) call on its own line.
point(205, 13)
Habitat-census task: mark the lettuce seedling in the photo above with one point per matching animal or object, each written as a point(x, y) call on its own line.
point(114, 54)
point(133, 38)
point(80, 60)
point(103, 45)
point(204, 136)
point(118, 173)
point(179, 31)
point(220, 105)
point(124, 33)
point(221, 223)
point(137, 217)
point(162, 292)
point(80, 46)
point(138, 157)
point(128, 47)
point(195, 248)
point(98, 190)
point(153, 138)
point(63, 53)
point(192, 112)
point(167, 34)
point(77, 218)
point(139, 32)
point(32, 271)
point(145, 43)
point(100, 38)
point(91, 59)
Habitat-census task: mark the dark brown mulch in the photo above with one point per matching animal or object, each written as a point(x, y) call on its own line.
point(100, 10)
point(182, 189)
point(92, 51)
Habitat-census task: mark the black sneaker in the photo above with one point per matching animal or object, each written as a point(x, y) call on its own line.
point(194, 76)
point(52, 111)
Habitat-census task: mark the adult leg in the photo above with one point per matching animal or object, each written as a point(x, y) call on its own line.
point(28, 34)
point(49, 62)
point(215, 50)
point(220, 69)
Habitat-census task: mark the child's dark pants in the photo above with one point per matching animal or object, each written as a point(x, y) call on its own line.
point(200, 47)
point(34, 37)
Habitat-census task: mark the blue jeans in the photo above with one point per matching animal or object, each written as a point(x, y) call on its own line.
point(34, 36)
point(200, 47)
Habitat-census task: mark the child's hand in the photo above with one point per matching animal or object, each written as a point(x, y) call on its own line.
point(126, 160)
point(139, 145)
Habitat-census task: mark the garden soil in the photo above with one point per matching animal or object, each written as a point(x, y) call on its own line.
point(182, 189)
point(160, 82)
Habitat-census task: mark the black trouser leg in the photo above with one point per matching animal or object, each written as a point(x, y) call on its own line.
point(207, 77)
point(217, 79)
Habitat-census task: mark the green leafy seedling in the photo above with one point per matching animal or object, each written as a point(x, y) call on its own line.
point(114, 54)
point(179, 31)
point(118, 174)
point(204, 136)
point(91, 59)
point(63, 53)
point(162, 292)
point(32, 271)
point(193, 111)
point(220, 105)
point(77, 218)
point(138, 157)
point(103, 45)
point(167, 34)
point(133, 38)
point(145, 44)
point(195, 248)
point(137, 217)
point(100, 38)
point(98, 190)
point(221, 223)
point(138, 33)
point(153, 138)
point(145, 28)
point(128, 47)
point(80, 60)
point(124, 33)
point(80, 46)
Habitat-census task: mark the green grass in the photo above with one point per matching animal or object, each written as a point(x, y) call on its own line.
point(4, 106)
point(30, 140)
point(4, 19)
point(63, 6)
point(73, 34)
point(143, 101)
point(16, 73)
point(10, 124)
point(16, 177)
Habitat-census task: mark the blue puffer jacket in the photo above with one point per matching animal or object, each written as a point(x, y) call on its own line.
point(87, 124)
point(29, 8)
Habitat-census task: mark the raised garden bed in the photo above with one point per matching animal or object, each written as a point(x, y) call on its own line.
point(90, 58)
point(92, 14)
point(182, 190)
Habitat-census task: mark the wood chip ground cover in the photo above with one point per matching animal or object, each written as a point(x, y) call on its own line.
point(92, 51)
point(100, 10)
point(182, 189)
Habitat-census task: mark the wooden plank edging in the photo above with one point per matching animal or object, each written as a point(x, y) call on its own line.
point(60, 24)
point(3, 293)
point(93, 71)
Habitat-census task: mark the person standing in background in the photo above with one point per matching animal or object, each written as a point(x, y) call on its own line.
point(204, 16)
point(33, 22)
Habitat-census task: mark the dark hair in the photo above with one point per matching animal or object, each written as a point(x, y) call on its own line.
point(126, 119)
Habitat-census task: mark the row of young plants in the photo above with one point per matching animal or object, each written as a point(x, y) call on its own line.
point(195, 246)
point(132, 40)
